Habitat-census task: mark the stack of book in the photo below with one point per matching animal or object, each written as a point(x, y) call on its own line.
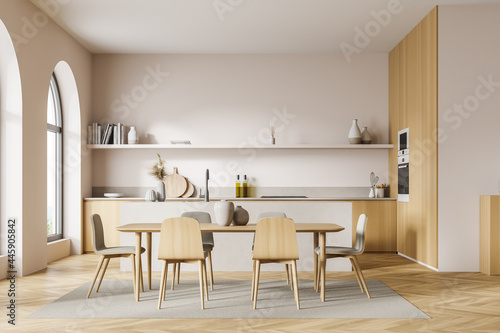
point(106, 134)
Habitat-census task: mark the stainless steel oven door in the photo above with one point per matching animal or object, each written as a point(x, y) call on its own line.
point(404, 182)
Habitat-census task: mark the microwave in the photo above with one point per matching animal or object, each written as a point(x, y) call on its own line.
point(403, 142)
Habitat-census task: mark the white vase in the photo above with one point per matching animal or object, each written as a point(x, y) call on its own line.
point(240, 216)
point(224, 211)
point(132, 136)
point(354, 133)
point(379, 192)
point(372, 193)
point(151, 196)
point(366, 137)
point(160, 191)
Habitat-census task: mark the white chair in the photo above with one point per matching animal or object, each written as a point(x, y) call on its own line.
point(349, 252)
point(275, 242)
point(109, 252)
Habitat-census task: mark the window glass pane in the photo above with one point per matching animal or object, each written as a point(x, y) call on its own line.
point(51, 110)
point(52, 204)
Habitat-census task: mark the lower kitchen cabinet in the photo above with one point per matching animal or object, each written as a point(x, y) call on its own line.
point(109, 211)
point(381, 226)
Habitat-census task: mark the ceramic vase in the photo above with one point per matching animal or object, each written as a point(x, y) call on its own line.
point(366, 137)
point(224, 211)
point(160, 191)
point(240, 216)
point(354, 133)
point(372, 193)
point(379, 192)
point(151, 196)
point(132, 136)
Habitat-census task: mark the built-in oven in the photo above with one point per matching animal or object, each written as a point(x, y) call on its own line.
point(404, 165)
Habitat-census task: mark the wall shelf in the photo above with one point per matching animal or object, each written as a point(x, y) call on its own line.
point(171, 146)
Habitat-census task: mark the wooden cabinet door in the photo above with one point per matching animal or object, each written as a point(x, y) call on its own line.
point(381, 226)
point(110, 215)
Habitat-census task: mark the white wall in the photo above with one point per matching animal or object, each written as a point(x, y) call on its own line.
point(469, 159)
point(40, 46)
point(230, 99)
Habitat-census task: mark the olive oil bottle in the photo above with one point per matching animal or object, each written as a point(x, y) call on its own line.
point(238, 187)
point(244, 187)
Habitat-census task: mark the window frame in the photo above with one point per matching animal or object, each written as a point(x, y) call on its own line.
point(57, 128)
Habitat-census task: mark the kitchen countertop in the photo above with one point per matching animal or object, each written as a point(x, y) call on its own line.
point(250, 199)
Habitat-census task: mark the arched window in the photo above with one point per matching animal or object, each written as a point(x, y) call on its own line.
point(54, 163)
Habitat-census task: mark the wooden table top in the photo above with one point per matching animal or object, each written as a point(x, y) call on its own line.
point(212, 227)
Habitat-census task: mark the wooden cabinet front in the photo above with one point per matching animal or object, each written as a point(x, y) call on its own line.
point(381, 226)
point(110, 215)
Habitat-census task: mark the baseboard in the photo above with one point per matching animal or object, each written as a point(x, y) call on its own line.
point(3, 267)
point(58, 249)
point(418, 262)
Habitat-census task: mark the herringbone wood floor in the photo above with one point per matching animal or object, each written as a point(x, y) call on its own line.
point(457, 302)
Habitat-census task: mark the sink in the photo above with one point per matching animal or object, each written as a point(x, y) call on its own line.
point(282, 196)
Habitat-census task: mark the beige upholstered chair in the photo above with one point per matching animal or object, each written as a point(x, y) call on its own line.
point(108, 252)
point(180, 242)
point(275, 242)
point(208, 245)
point(351, 253)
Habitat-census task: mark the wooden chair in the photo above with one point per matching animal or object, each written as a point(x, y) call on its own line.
point(275, 242)
point(349, 252)
point(180, 242)
point(208, 245)
point(108, 252)
point(262, 216)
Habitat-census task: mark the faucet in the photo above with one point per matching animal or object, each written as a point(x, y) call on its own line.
point(207, 177)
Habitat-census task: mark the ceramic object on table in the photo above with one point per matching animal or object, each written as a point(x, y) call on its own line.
point(132, 136)
point(240, 216)
point(224, 211)
point(354, 133)
point(151, 196)
point(379, 192)
point(366, 137)
point(160, 191)
point(372, 193)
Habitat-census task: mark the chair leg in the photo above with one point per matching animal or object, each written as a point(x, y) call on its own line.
point(140, 275)
point(106, 262)
point(257, 275)
point(318, 276)
point(164, 271)
point(200, 268)
point(132, 258)
point(287, 276)
point(99, 265)
point(174, 269)
point(211, 270)
point(165, 286)
point(295, 283)
point(357, 274)
point(253, 280)
point(356, 262)
point(205, 278)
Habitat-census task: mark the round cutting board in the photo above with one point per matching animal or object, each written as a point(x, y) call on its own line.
point(189, 191)
point(175, 185)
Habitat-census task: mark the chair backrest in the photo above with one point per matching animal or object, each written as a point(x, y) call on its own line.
point(180, 239)
point(359, 245)
point(98, 232)
point(202, 217)
point(270, 214)
point(275, 238)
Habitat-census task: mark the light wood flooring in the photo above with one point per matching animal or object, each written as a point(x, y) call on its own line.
point(456, 302)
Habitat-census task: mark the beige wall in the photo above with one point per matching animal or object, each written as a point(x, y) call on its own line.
point(230, 99)
point(469, 160)
point(41, 45)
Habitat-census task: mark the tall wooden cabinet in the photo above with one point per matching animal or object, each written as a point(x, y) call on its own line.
point(489, 235)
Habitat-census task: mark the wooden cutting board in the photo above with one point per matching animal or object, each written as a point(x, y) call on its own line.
point(190, 190)
point(175, 185)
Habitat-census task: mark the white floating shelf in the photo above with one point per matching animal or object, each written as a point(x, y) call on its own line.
point(171, 146)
